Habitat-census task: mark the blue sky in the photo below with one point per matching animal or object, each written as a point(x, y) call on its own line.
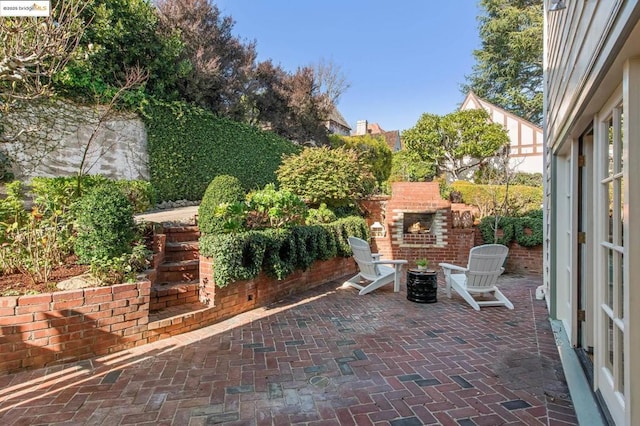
point(402, 58)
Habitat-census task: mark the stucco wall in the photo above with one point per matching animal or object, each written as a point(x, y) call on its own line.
point(53, 138)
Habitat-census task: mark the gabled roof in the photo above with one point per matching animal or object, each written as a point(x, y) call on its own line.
point(473, 101)
point(336, 117)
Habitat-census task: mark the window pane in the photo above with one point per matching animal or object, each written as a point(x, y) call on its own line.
point(610, 278)
point(611, 155)
point(612, 218)
point(609, 345)
point(620, 266)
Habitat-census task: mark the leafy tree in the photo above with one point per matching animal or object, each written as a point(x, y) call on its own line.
point(32, 51)
point(336, 177)
point(508, 70)
point(457, 142)
point(408, 166)
point(217, 66)
point(295, 105)
point(122, 34)
point(371, 149)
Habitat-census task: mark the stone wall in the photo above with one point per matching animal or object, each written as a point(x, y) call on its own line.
point(53, 138)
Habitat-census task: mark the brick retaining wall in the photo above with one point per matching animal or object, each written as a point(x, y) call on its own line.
point(53, 328)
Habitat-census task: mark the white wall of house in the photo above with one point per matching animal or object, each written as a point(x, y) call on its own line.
point(525, 138)
point(592, 135)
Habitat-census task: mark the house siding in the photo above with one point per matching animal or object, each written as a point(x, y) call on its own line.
point(592, 87)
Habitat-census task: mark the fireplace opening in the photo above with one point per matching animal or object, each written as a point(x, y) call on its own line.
point(417, 223)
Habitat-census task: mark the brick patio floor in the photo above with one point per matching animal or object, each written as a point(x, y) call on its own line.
point(326, 357)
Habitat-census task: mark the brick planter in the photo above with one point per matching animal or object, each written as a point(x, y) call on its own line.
point(53, 328)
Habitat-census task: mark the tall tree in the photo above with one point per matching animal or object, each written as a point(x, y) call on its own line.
point(122, 35)
point(33, 50)
point(290, 104)
point(456, 143)
point(508, 69)
point(218, 66)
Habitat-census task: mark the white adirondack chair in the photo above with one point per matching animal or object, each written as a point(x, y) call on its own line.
point(374, 273)
point(479, 277)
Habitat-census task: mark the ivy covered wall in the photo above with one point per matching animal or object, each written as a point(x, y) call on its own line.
point(188, 147)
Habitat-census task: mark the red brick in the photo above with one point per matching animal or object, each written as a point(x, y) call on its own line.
point(37, 299)
point(8, 301)
point(7, 312)
point(16, 319)
point(68, 295)
point(66, 304)
point(25, 309)
point(34, 325)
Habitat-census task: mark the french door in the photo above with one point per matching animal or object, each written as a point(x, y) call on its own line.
point(610, 260)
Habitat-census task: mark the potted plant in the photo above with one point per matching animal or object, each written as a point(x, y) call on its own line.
point(422, 264)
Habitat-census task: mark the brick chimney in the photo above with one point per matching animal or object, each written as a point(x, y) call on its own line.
point(361, 127)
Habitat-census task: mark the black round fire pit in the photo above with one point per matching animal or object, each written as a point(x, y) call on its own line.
point(422, 286)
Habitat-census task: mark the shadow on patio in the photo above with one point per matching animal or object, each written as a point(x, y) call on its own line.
point(325, 357)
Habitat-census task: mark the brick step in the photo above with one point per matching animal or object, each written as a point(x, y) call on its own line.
point(182, 250)
point(181, 233)
point(167, 294)
point(174, 314)
point(179, 272)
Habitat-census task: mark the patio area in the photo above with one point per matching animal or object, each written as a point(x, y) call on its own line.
point(325, 357)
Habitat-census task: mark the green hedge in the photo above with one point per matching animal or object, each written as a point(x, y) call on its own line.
point(521, 198)
point(188, 147)
point(278, 252)
point(526, 230)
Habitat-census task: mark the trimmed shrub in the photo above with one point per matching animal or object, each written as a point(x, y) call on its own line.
point(278, 252)
point(281, 253)
point(322, 214)
point(222, 189)
point(105, 225)
point(372, 149)
point(497, 232)
point(487, 197)
point(527, 231)
point(336, 177)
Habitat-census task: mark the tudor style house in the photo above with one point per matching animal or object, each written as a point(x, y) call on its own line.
point(526, 143)
point(336, 124)
point(592, 197)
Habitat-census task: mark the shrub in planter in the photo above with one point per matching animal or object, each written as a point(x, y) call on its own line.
point(336, 177)
point(104, 224)
point(528, 230)
point(278, 251)
point(269, 208)
point(322, 214)
point(222, 189)
point(281, 254)
point(497, 232)
point(235, 256)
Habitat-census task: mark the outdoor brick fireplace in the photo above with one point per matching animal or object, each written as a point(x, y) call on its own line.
point(417, 215)
point(418, 225)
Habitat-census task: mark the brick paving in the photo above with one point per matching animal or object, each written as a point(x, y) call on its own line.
point(326, 357)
